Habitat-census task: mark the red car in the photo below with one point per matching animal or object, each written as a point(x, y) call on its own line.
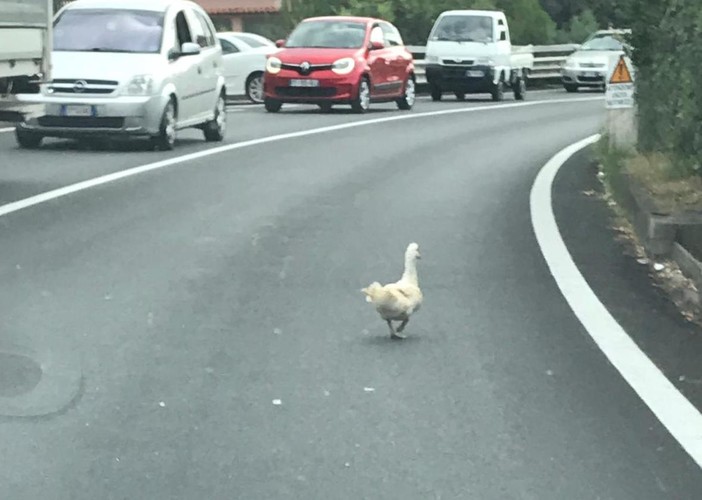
point(340, 60)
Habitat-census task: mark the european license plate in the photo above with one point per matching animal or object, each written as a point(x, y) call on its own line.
point(77, 110)
point(304, 83)
point(590, 74)
point(475, 73)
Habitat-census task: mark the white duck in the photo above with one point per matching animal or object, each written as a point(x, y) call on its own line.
point(398, 301)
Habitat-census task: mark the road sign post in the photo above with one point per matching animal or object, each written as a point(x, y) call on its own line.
point(621, 106)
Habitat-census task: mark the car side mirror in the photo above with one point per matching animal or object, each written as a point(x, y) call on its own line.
point(377, 45)
point(190, 49)
point(280, 43)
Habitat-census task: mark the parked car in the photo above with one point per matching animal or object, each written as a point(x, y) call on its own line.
point(126, 68)
point(244, 56)
point(470, 52)
point(591, 64)
point(341, 60)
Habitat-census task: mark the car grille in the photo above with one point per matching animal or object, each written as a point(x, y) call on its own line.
point(81, 121)
point(312, 68)
point(455, 73)
point(591, 79)
point(306, 91)
point(79, 86)
point(459, 62)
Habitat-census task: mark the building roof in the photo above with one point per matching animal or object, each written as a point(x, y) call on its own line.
point(239, 6)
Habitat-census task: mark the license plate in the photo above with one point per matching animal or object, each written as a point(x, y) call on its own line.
point(77, 110)
point(476, 73)
point(304, 83)
point(590, 74)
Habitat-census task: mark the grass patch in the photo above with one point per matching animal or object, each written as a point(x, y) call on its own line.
point(672, 188)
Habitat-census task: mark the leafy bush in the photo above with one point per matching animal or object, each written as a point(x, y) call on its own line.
point(668, 57)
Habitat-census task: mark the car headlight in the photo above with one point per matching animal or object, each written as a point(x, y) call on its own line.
point(140, 85)
point(432, 59)
point(273, 65)
point(484, 61)
point(569, 64)
point(343, 66)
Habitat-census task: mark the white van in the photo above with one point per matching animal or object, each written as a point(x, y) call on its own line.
point(470, 52)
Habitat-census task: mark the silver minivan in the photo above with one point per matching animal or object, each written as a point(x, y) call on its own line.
point(129, 68)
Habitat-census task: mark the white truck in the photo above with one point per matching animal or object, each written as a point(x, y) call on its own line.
point(25, 53)
point(470, 52)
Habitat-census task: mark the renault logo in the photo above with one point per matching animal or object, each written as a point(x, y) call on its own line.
point(305, 68)
point(79, 86)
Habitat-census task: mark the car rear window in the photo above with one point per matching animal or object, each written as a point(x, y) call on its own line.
point(252, 41)
point(109, 30)
point(328, 35)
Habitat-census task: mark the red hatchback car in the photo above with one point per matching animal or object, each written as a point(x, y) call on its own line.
point(340, 60)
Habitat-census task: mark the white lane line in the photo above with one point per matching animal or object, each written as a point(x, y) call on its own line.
point(98, 181)
point(8, 129)
point(668, 404)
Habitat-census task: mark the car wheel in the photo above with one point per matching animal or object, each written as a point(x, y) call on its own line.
point(361, 103)
point(165, 140)
point(326, 107)
point(570, 88)
point(435, 93)
point(498, 91)
point(461, 96)
point(214, 130)
point(271, 105)
point(520, 89)
point(27, 139)
point(254, 87)
point(406, 102)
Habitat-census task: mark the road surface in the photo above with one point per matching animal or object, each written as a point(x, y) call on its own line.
point(173, 308)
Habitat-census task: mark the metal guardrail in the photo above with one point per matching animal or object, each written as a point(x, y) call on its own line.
point(548, 60)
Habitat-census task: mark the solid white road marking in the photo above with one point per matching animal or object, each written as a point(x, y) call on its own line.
point(98, 181)
point(7, 129)
point(671, 408)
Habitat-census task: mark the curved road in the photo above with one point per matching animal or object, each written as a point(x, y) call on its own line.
point(171, 308)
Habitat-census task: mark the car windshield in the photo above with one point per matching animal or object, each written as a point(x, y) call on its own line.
point(463, 29)
point(603, 43)
point(328, 35)
point(109, 30)
point(254, 42)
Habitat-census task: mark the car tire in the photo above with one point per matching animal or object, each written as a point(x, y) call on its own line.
point(165, 140)
point(361, 103)
point(435, 92)
point(271, 105)
point(406, 102)
point(461, 96)
point(254, 87)
point(326, 107)
point(570, 88)
point(27, 139)
point(498, 91)
point(215, 129)
point(520, 89)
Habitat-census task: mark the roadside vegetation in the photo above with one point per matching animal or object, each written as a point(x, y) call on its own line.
point(667, 56)
point(531, 21)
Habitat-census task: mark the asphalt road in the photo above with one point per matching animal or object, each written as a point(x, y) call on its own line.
point(170, 309)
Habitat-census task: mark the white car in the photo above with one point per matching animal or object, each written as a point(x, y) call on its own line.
point(591, 64)
point(130, 68)
point(244, 56)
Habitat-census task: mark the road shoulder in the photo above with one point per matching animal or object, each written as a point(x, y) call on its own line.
point(626, 288)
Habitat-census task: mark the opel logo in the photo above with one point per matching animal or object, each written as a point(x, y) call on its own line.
point(305, 67)
point(79, 86)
